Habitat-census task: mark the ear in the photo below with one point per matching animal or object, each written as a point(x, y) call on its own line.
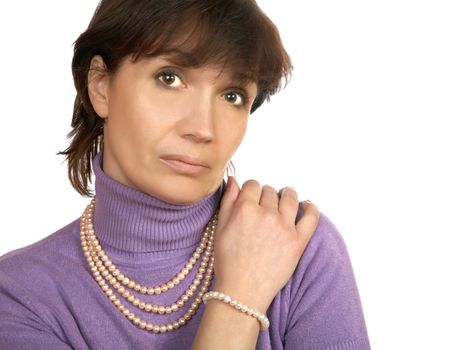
point(98, 86)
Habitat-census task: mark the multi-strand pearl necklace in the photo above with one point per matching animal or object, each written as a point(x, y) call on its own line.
point(106, 273)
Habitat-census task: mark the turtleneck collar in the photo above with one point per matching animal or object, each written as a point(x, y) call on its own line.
point(131, 221)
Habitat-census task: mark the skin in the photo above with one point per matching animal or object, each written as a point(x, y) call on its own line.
point(197, 112)
point(203, 116)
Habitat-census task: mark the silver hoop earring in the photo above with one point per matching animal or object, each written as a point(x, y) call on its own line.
point(228, 168)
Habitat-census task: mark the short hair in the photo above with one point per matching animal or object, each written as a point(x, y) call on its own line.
point(234, 33)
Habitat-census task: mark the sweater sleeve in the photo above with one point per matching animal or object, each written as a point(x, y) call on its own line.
point(325, 311)
point(22, 326)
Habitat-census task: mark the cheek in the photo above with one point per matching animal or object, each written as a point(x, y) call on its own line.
point(140, 118)
point(231, 136)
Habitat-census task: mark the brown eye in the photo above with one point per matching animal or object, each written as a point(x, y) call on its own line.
point(169, 78)
point(235, 98)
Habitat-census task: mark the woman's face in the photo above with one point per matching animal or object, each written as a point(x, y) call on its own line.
point(161, 118)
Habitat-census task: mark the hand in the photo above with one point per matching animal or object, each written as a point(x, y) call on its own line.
point(257, 242)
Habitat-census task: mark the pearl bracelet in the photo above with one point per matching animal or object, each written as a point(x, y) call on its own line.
point(262, 318)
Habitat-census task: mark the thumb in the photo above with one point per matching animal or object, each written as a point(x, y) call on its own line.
point(228, 200)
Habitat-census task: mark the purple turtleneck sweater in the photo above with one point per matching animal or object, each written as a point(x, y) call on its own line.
point(50, 300)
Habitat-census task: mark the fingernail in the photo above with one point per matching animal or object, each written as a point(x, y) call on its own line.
point(307, 201)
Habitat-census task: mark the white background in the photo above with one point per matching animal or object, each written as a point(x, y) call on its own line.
point(364, 130)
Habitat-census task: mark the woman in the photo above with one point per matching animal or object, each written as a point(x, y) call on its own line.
point(167, 255)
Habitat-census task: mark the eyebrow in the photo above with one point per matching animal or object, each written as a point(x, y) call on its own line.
point(242, 78)
point(187, 59)
point(181, 58)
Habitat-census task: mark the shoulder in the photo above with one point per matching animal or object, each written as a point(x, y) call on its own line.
point(326, 244)
point(31, 277)
point(45, 253)
point(32, 296)
point(322, 294)
point(324, 267)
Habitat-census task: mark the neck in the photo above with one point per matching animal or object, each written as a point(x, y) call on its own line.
point(130, 221)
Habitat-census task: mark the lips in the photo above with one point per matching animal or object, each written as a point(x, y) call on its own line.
point(186, 159)
point(185, 165)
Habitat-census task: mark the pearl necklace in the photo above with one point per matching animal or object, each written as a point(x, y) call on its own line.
point(105, 273)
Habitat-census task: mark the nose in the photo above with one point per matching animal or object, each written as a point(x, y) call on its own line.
point(198, 121)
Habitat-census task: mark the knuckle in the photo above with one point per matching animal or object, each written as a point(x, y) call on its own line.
point(268, 188)
point(251, 182)
point(288, 191)
point(285, 224)
point(270, 218)
point(247, 206)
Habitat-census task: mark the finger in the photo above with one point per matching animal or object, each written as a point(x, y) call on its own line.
point(269, 198)
point(288, 205)
point(251, 191)
point(229, 197)
point(308, 223)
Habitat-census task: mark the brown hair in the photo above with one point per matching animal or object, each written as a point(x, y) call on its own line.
point(234, 33)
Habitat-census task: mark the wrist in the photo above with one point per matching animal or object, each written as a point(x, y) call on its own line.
point(239, 306)
point(252, 299)
point(224, 327)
